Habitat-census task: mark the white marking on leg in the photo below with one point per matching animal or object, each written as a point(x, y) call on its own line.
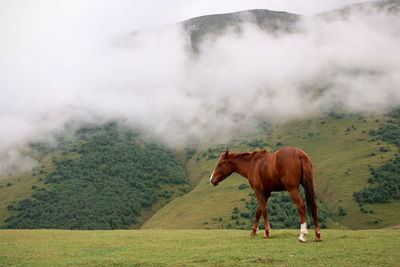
point(303, 232)
point(303, 228)
point(212, 174)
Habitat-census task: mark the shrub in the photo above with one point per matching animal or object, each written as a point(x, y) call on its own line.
point(243, 186)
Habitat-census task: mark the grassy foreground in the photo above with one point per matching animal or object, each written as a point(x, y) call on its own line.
point(196, 248)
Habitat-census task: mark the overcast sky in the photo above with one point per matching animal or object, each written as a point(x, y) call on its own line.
point(143, 13)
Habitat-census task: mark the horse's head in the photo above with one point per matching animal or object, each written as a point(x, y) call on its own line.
point(223, 169)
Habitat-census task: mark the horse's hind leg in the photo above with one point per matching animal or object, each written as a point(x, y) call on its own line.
point(301, 208)
point(314, 213)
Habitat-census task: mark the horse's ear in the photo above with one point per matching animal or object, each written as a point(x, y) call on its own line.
point(226, 154)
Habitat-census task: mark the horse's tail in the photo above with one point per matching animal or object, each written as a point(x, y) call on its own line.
point(308, 184)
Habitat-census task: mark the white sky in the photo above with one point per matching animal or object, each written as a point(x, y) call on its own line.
point(144, 13)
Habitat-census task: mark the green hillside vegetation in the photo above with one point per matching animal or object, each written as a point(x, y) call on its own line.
point(104, 177)
point(343, 153)
point(385, 180)
point(196, 248)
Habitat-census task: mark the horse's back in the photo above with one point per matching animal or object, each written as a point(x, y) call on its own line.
point(289, 156)
point(292, 150)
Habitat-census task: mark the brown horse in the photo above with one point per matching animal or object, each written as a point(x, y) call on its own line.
point(282, 170)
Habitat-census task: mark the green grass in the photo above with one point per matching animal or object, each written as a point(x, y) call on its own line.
point(196, 248)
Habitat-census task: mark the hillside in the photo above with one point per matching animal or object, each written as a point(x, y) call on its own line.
point(101, 177)
point(343, 152)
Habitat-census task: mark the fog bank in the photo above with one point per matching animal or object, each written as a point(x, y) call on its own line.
point(62, 70)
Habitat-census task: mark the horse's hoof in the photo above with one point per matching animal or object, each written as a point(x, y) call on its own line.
point(253, 234)
point(302, 240)
point(318, 237)
point(265, 236)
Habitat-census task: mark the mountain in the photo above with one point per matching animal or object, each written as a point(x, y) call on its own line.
point(213, 25)
point(356, 169)
point(274, 22)
point(107, 176)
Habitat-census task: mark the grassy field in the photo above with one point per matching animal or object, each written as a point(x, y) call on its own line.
point(196, 248)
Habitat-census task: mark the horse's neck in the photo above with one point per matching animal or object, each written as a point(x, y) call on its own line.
point(242, 164)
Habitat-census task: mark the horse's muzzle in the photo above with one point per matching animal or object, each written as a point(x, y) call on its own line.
point(215, 183)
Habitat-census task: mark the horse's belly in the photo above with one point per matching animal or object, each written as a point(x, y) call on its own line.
point(276, 188)
point(273, 185)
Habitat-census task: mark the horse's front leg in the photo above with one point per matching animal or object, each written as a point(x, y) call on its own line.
point(256, 222)
point(266, 218)
point(262, 199)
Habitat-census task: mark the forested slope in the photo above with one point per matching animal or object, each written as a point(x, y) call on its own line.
point(103, 177)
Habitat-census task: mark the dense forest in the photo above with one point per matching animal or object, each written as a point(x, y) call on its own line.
point(104, 178)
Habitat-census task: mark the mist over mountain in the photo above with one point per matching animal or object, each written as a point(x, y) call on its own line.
point(204, 78)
